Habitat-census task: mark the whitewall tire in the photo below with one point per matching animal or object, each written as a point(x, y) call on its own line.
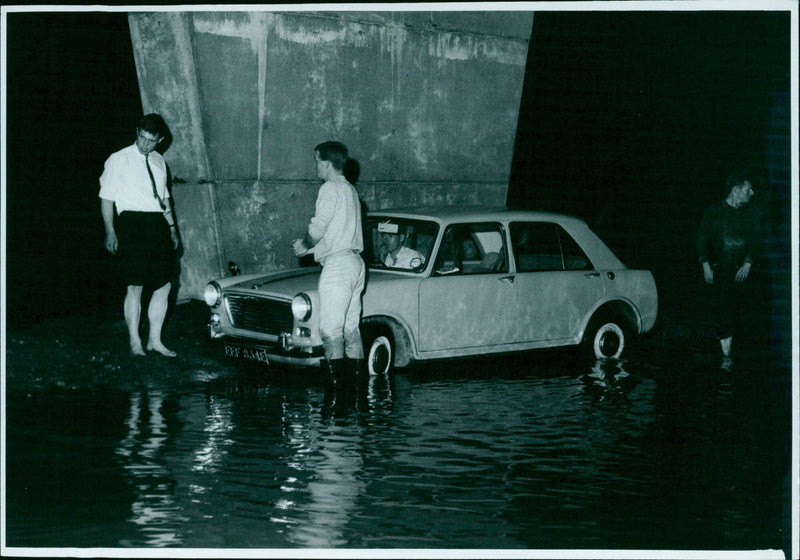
point(606, 340)
point(379, 353)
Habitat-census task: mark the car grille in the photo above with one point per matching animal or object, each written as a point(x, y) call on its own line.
point(262, 315)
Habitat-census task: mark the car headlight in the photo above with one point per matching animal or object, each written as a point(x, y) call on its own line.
point(301, 307)
point(212, 294)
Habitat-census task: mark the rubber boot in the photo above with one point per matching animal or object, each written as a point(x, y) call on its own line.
point(336, 369)
point(353, 366)
point(331, 379)
point(362, 384)
point(343, 387)
point(346, 374)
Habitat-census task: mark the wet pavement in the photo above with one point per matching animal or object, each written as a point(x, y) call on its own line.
point(91, 352)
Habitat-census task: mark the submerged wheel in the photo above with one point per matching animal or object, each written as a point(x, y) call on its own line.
point(379, 350)
point(605, 339)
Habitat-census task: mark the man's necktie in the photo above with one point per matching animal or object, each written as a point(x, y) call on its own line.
point(153, 181)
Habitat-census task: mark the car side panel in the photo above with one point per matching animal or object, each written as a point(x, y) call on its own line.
point(553, 305)
point(395, 296)
point(598, 252)
point(466, 311)
point(638, 288)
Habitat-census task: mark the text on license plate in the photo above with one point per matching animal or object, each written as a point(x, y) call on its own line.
point(258, 355)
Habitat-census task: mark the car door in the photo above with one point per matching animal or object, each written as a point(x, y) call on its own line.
point(557, 285)
point(469, 299)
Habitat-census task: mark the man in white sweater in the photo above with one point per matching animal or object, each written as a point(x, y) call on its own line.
point(334, 237)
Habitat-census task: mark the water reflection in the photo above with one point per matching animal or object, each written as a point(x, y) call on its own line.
point(217, 426)
point(263, 449)
point(527, 453)
point(333, 485)
point(370, 395)
point(153, 509)
point(333, 452)
point(608, 379)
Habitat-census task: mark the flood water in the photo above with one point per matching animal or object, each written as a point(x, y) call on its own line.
point(534, 451)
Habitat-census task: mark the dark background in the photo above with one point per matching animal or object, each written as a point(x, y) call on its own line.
point(630, 120)
point(633, 120)
point(73, 99)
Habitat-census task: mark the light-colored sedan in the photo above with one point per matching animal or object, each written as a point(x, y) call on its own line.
point(449, 282)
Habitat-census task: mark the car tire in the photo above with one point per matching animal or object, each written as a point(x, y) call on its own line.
point(605, 338)
point(378, 350)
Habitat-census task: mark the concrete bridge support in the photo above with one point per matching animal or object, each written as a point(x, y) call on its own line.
point(427, 102)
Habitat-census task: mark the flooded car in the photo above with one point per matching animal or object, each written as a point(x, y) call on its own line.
point(449, 282)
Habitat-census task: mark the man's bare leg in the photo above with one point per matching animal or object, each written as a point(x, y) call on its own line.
point(156, 314)
point(133, 309)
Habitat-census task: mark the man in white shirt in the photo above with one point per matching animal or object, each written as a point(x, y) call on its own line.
point(395, 254)
point(143, 234)
point(334, 237)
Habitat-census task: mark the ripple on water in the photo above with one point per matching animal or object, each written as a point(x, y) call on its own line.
point(520, 459)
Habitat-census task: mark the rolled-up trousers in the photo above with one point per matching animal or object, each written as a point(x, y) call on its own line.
point(340, 286)
point(727, 299)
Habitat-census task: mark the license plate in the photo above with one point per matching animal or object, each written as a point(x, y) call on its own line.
point(253, 354)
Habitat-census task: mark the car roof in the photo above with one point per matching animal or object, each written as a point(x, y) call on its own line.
point(474, 214)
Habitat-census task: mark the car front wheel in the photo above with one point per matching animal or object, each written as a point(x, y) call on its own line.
point(605, 339)
point(379, 350)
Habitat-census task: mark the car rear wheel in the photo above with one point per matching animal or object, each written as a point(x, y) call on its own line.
point(605, 338)
point(379, 350)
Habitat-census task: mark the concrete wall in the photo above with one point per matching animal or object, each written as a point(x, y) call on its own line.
point(427, 102)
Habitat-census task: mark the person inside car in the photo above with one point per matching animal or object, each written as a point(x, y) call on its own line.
point(393, 251)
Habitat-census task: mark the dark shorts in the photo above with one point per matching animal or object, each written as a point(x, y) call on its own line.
point(144, 254)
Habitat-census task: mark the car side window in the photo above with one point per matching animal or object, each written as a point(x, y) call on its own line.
point(541, 246)
point(472, 249)
point(398, 243)
point(574, 257)
point(536, 246)
point(447, 260)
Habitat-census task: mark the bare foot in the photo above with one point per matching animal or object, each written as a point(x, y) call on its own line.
point(726, 364)
point(161, 349)
point(136, 350)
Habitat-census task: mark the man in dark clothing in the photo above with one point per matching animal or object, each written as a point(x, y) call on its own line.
point(727, 247)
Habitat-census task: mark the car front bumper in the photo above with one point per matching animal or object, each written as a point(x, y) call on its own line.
point(269, 353)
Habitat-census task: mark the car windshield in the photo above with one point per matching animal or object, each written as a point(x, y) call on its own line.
point(398, 243)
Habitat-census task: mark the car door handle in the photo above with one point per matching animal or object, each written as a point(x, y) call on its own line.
point(507, 279)
point(592, 274)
